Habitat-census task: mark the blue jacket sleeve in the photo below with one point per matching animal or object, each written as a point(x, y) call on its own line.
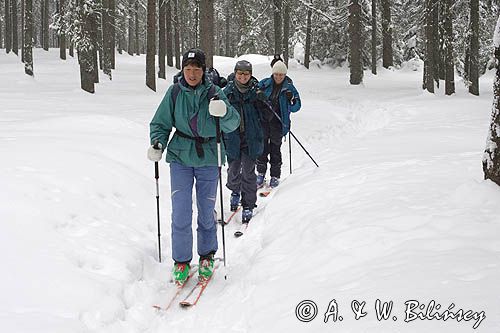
point(296, 99)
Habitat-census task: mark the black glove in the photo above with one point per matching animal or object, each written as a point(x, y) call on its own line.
point(222, 82)
point(289, 96)
point(261, 96)
point(266, 112)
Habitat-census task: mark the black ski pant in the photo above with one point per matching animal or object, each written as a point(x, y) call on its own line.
point(272, 148)
point(241, 178)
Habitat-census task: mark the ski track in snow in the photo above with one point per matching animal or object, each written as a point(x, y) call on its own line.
point(397, 210)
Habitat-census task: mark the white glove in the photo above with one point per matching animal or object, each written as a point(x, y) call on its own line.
point(154, 154)
point(217, 108)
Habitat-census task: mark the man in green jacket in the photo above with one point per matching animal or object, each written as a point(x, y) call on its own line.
point(190, 106)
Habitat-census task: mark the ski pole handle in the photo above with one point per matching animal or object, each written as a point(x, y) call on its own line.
point(156, 145)
point(218, 139)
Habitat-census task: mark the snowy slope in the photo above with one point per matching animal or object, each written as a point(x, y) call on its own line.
point(397, 210)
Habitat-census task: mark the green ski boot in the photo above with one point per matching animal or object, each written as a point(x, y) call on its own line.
point(180, 273)
point(206, 267)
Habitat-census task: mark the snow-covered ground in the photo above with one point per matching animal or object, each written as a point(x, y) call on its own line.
point(397, 211)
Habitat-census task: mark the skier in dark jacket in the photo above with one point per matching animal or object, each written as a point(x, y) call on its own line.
point(245, 144)
point(281, 95)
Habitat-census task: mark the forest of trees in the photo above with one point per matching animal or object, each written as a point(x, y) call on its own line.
point(450, 36)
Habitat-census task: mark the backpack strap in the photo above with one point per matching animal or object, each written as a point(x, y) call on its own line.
point(198, 141)
point(175, 92)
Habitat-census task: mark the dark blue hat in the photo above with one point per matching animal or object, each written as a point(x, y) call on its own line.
point(194, 55)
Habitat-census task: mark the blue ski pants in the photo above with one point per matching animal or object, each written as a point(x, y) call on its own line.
point(182, 179)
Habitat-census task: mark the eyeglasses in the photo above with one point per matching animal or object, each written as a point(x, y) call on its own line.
point(246, 73)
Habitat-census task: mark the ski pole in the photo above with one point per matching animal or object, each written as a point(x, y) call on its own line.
point(157, 175)
point(290, 149)
point(301, 146)
point(219, 164)
point(289, 131)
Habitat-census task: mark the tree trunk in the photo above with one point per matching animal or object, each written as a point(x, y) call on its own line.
point(45, 24)
point(474, 48)
point(86, 76)
point(22, 31)
point(386, 34)
point(2, 34)
point(168, 21)
point(95, 46)
point(356, 65)
point(429, 66)
point(28, 37)
point(40, 42)
point(441, 33)
point(99, 34)
point(307, 53)
point(491, 157)
point(62, 36)
point(196, 22)
point(112, 32)
point(227, 52)
point(242, 27)
point(181, 16)
point(449, 83)
point(437, 37)
point(8, 27)
point(136, 37)
point(374, 37)
point(278, 49)
point(177, 51)
point(151, 45)
point(15, 40)
point(286, 31)
point(207, 30)
point(120, 35)
point(85, 57)
point(130, 44)
point(107, 37)
point(161, 39)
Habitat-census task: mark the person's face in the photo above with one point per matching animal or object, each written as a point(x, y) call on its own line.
point(243, 76)
point(193, 75)
point(278, 77)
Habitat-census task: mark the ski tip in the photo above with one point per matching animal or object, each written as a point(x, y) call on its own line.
point(264, 194)
point(157, 307)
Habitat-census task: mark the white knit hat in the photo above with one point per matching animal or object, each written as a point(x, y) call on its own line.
point(279, 68)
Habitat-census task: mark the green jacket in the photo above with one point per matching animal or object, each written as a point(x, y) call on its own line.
point(191, 103)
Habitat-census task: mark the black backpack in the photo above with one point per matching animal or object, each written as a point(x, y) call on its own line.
point(213, 76)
